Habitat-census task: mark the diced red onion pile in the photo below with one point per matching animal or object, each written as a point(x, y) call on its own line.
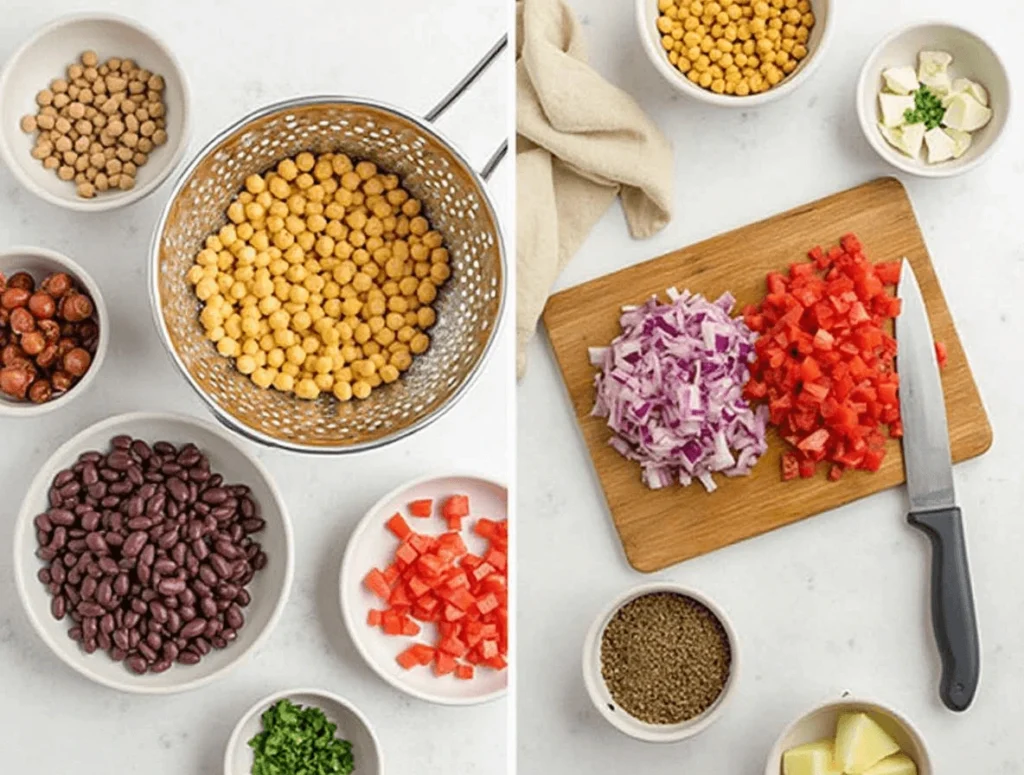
point(671, 386)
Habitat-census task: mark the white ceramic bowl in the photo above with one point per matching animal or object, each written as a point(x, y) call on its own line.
point(820, 723)
point(650, 39)
point(269, 589)
point(972, 58)
point(373, 546)
point(39, 262)
point(44, 57)
point(602, 698)
point(352, 726)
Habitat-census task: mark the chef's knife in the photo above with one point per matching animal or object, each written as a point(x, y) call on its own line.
point(933, 508)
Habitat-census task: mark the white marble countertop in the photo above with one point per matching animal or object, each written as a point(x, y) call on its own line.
point(239, 56)
point(838, 602)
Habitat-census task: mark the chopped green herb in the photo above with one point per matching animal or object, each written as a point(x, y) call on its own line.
point(299, 741)
point(927, 110)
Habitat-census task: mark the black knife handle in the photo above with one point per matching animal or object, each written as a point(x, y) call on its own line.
point(953, 617)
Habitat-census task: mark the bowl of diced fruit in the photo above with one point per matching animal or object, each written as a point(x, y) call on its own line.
point(933, 99)
point(850, 736)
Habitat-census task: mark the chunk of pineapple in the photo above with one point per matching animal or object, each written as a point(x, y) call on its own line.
point(811, 759)
point(900, 764)
point(861, 743)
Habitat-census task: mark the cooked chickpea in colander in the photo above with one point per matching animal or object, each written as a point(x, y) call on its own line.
point(737, 47)
point(323, 279)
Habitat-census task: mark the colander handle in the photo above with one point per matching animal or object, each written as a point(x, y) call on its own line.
point(460, 88)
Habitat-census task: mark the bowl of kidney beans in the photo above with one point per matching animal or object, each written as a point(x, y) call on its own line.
point(53, 331)
point(152, 553)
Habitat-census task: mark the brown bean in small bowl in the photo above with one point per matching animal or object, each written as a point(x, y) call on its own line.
point(53, 331)
point(660, 662)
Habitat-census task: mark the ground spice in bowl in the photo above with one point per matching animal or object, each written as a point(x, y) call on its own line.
point(665, 658)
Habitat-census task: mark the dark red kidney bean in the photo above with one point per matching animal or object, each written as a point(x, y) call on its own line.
point(145, 573)
point(135, 476)
point(107, 624)
point(169, 651)
point(61, 517)
point(227, 550)
point(113, 538)
point(248, 509)
point(123, 441)
point(187, 597)
point(94, 570)
point(139, 523)
point(164, 448)
point(198, 475)
point(200, 549)
point(118, 655)
point(202, 645)
point(170, 469)
point(164, 567)
point(146, 651)
point(43, 523)
point(42, 538)
point(97, 543)
point(208, 607)
point(104, 593)
point(88, 589)
point(207, 575)
point(171, 586)
point(237, 535)
point(216, 480)
point(227, 591)
point(77, 545)
point(46, 555)
point(229, 634)
point(169, 538)
point(86, 608)
point(58, 573)
point(89, 646)
point(121, 585)
point(98, 491)
point(54, 499)
point(189, 456)
point(155, 505)
point(220, 566)
point(178, 489)
point(89, 628)
point(91, 520)
point(44, 575)
point(71, 593)
point(134, 544)
point(154, 476)
point(147, 491)
point(65, 476)
point(90, 475)
point(134, 507)
point(71, 489)
point(118, 460)
point(215, 496)
point(193, 492)
point(139, 606)
point(147, 555)
point(154, 641)
point(189, 658)
point(223, 514)
point(134, 637)
point(136, 664)
point(103, 641)
point(223, 605)
point(58, 607)
point(141, 450)
point(158, 611)
point(59, 539)
point(110, 501)
point(203, 509)
point(194, 530)
point(219, 643)
point(187, 613)
point(191, 565)
point(172, 509)
point(120, 488)
point(75, 633)
point(213, 628)
point(259, 562)
point(178, 552)
point(160, 666)
point(251, 550)
point(240, 570)
point(173, 622)
point(54, 588)
point(109, 474)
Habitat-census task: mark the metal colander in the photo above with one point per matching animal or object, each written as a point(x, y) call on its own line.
point(468, 306)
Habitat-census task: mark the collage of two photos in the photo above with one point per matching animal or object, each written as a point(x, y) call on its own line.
point(509, 387)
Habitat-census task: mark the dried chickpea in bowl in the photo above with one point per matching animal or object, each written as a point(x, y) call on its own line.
point(735, 47)
point(323, 279)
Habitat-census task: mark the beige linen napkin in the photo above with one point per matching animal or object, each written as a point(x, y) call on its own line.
point(581, 142)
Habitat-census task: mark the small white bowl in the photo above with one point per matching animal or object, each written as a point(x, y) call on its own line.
point(820, 723)
point(972, 58)
point(602, 698)
point(269, 589)
point(650, 38)
point(39, 262)
point(44, 57)
point(352, 726)
point(373, 546)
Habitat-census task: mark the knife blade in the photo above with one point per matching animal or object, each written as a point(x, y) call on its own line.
point(933, 509)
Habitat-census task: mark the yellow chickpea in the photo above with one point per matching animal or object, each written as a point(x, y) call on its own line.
point(361, 389)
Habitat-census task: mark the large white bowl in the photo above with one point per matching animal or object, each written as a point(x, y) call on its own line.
point(598, 691)
point(820, 723)
point(44, 57)
point(650, 38)
point(269, 589)
point(972, 58)
point(373, 546)
point(352, 726)
point(39, 262)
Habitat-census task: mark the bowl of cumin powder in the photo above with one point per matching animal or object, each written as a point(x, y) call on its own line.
point(660, 662)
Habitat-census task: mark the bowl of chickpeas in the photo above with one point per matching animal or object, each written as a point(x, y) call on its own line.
point(734, 53)
point(328, 275)
point(94, 112)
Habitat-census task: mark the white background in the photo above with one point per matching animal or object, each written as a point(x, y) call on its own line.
point(240, 56)
point(838, 602)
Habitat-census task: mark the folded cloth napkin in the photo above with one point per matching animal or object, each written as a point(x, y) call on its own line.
point(580, 143)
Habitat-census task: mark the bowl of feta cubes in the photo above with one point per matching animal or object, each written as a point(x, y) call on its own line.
point(850, 737)
point(933, 99)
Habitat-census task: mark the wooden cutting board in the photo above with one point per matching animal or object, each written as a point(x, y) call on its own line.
point(662, 527)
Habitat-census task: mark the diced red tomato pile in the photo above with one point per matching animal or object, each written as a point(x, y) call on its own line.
point(436, 579)
point(825, 359)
